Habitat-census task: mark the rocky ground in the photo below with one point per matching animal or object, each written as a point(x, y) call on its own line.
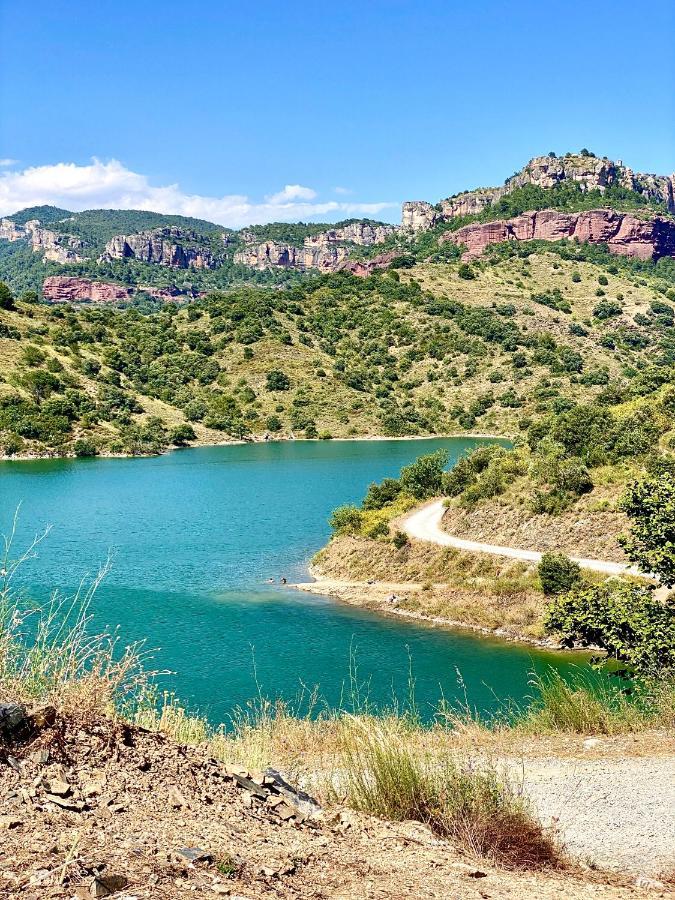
point(94, 809)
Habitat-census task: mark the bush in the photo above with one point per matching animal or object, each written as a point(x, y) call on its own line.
point(607, 309)
point(378, 530)
point(424, 477)
point(181, 435)
point(346, 520)
point(650, 504)
point(626, 621)
point(466, 272)
point(85, 447)
point(6, 297)
point(400, 540)
point(274, 424)
point(277, 381)
point(557, 573)
point(380, 495)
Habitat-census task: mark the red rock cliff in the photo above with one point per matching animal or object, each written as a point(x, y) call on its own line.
point(624, 233)
point(64, 289)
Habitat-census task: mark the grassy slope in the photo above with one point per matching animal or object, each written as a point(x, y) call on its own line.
point(436, 391)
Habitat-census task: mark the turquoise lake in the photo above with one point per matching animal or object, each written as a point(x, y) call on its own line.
point(193, 537)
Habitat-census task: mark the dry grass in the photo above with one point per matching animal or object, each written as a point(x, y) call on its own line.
point(49, 655)
point(387, 774)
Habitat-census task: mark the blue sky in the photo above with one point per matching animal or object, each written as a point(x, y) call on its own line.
point(242, 111)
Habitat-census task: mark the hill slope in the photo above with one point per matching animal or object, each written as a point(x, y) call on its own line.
point(437, 348)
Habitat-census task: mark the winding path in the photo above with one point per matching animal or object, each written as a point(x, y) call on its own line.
point(424, 524)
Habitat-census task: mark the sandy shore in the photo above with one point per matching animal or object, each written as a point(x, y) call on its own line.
point(377, 595)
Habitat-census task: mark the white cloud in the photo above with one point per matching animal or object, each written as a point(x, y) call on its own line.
point(342, 190)
point(292, 192)
point(110, 185)
point(5, 163)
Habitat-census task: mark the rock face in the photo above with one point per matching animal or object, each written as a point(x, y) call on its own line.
point(545, 172)
point(172, 247)
point(10, 231)
point(418, 215)
point(277, 255)
point(63, 289)
point(365, 267)
point(624, 233)
point(324, 251)
point(365, 234)
point(56, 247)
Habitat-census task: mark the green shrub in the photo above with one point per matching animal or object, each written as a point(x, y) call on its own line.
point(557, 573)
point(424, 477)
point(381, 494)
point(85, 447)
point(626, 621)
point(378, 530)
point(466, 272)
point(277, 381)
point(400, 540)
point(346, 520)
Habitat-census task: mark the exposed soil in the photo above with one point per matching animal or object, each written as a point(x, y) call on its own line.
point(577, 532)
point(100, 809)
point(438, 584)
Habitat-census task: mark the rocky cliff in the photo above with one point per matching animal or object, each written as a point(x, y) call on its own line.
point(274, 254)
point(64, 289)
point(172, 247)
point(324, 251)
point(365, 234)
point(60, 248)
point(624, 233)
point(590, 172)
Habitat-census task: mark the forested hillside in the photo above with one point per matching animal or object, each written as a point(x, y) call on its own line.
point(426, 348)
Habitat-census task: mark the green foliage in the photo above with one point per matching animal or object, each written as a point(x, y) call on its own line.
point(277, 381)
point(85, 447)
point(346, 520)
point(400, 540)
point(6, 297)
point(380, 495)
point(607, 309)
point(557, 573)
point(625, 621)
point(180, 435)
point(424, 477)
point(650, 505)
point(466, 272)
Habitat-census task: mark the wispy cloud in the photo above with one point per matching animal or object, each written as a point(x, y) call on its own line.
point(5, 163)
point(112, 185)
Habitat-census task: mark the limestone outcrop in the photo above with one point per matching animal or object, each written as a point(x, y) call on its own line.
point(325, 251)
point(65, 289)
point(278, 255)
point(590, 172)
point(172, 247)
point(57, 247)
point(418, 215)
point(624, 233)
point(365, 234)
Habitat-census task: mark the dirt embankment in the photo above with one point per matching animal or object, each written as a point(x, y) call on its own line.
point(579, 532)
point(94, 809)
point(439, 584)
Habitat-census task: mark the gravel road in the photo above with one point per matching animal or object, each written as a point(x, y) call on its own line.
point(617, 813)
point(425, 525)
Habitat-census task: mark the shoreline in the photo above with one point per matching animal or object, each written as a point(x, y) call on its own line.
point(372, 597)
point(35, 457)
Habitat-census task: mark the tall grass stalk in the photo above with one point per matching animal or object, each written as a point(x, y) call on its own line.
point(387, 773)
point(48, 653)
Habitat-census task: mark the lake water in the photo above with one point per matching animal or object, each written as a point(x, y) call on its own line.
point(194, 535)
